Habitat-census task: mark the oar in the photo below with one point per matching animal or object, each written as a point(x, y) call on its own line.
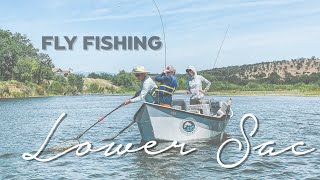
point(109, 139)
point(101, 119)
point(71, 141)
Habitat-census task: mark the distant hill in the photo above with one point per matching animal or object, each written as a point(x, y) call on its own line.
point(281, 69)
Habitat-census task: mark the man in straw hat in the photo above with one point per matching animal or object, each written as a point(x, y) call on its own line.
point(147, 86)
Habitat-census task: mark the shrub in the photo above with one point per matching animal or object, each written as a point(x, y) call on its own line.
point(93, 88)
point(56, 88)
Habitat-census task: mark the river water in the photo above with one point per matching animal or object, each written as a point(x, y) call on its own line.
point(284, 119)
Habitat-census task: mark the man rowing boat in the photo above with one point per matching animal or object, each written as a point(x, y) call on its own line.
point(147, 86)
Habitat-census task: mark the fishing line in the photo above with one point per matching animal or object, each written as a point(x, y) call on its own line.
point(164, 35)
point(220, 47)
point(215, 62)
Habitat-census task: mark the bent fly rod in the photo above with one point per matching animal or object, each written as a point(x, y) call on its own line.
point(164, 35)
point(214, 65)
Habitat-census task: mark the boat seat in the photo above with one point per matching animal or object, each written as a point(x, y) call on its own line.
point(201, 101)
point(205, 101)
point(214, 106)
point(201, 108)
point(179, 104)
point(222, 110)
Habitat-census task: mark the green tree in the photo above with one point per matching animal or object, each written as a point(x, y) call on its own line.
point(305, 79)
point(94, 75)
point(75, 81)
point(56, 88)
point(126, 80)
point(26, 70)
point(93, 88)
point(274, 78)
point(61, 80)
point(107, 76)
point(13, 47)
point(182, 82)
point(290, 79)
point(59, 85)
point(45, 68)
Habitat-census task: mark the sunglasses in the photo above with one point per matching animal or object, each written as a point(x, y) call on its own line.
point(188, 70)
point(138, 75)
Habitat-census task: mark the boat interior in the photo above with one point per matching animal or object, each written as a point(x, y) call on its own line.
point(205, 107)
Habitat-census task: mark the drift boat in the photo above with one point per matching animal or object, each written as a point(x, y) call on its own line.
point(183, 122)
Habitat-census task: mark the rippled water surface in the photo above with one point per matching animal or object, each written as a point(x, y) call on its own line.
point(286, 120)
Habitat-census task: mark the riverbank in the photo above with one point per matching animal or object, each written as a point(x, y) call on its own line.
point(16, 89)
point(217, 93)
point(260, 93)
point(267, 93)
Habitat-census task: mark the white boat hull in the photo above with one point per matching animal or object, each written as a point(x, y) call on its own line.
point(167, 124)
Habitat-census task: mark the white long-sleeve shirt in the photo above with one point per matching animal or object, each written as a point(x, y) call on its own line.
point(195, 85)
point(146, 87)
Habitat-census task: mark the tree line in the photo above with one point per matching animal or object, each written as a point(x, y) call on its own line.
point(20, 61)
point(221, 81)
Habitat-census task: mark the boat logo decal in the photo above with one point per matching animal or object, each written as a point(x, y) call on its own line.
point(188, 126)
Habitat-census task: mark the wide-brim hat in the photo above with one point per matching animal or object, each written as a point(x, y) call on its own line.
point(139, 69)
point(190, 68)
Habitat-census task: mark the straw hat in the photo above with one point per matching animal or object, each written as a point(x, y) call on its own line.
point(139, 69)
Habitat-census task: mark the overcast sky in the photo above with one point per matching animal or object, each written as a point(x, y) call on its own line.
point(260, 30)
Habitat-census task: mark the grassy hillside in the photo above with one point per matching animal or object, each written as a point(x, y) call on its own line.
point(293, 68)
point(103, 86)
point(296, 76)
point(15, 89)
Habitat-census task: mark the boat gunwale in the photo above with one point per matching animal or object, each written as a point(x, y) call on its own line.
point(223, 118)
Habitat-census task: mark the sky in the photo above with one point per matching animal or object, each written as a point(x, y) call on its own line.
point(259, 31)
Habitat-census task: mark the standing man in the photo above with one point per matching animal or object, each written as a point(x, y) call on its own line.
point(147, 86)
point(167, 87)
point(195, 85)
